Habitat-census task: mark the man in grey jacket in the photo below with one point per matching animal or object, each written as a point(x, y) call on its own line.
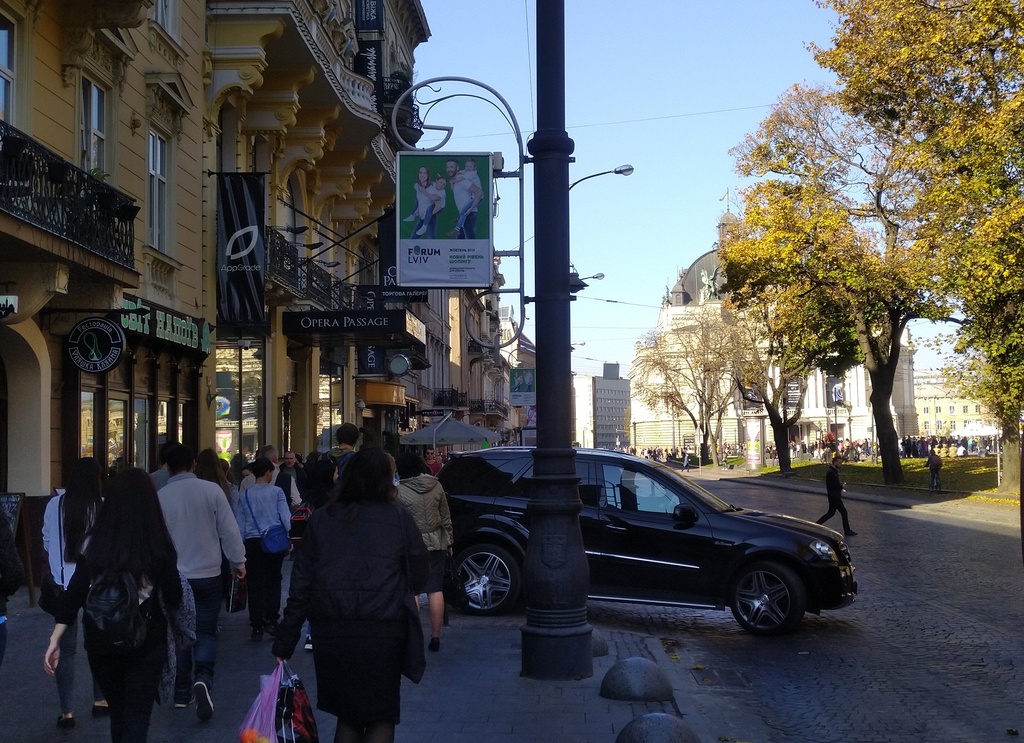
point(202, 525)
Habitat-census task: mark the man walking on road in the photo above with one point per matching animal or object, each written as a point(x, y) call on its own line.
point(834, 490)
point(201, 524)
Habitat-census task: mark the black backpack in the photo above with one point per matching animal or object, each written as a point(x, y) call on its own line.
point(112, 610)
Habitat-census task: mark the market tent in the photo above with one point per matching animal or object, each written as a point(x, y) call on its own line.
point(449, 431)
point(975, 430)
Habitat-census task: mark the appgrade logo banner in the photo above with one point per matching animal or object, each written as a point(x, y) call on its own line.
point(444, 220)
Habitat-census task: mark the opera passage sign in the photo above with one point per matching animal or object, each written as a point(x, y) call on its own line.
point(444, 220)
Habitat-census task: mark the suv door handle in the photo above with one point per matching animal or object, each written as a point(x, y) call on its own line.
point(609, 527)
point(514, 512)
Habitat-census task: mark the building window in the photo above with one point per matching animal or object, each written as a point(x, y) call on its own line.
point(925, 410)
point(6, 69)
point(926, 426)
point(156, 192)
point(965, 409)
point(93, 128)
point(165, 13)
point(952, 409)
point(977, 408)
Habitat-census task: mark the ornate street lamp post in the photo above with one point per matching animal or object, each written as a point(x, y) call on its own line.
point(556, 636)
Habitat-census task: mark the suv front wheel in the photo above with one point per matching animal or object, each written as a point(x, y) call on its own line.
point(492, 578)
point(768, 598)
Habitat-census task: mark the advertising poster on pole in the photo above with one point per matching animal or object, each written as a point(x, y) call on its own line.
point(522, 387)
point(444, 220)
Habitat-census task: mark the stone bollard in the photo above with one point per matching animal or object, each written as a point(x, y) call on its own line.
point(636, 680)
point(657, 727)
point(598, 644)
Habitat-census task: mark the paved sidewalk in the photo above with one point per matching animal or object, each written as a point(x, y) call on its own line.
point(471, 692)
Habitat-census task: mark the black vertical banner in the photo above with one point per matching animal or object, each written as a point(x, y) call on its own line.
point(241, 249)
point(369, 63)
point(387, 252)
point(369, 15)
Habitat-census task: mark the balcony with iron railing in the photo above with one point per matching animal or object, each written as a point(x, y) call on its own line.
point(489, 407)
point(41, 188)
point(302, 278)
point(408, 120)
point(450, 398)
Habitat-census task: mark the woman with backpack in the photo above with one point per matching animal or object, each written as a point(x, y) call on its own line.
point(129, 545)
point(67, 519)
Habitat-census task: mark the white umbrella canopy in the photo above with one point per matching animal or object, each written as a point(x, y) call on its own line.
point(449, 431)
point(976, 430)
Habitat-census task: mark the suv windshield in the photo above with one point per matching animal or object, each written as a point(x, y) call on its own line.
point(705, 497)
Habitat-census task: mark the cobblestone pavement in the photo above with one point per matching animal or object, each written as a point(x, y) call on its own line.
point(929, 652)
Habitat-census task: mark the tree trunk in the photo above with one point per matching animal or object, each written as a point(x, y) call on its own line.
point(885, 428)
point(1010, 484)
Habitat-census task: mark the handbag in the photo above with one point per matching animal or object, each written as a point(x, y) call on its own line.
point(238, 596)
point(452, 586)
point(293, 719)
point(414, 663)
point(50, 591)
point(300, 517)
point(274, 539)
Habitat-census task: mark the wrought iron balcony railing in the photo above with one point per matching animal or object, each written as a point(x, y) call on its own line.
point(450, 398)
point(489, 407)
point(409, 124)
point(40, 187)
point(305, 279)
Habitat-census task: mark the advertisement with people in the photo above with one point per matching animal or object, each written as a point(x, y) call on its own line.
point(444, 220)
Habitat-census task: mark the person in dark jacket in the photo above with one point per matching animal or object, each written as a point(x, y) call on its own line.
point(12, 573)
point(834, 490)
point(129, 535)
point(359, 564)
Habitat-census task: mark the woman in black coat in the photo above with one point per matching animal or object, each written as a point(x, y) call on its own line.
point(359, 564)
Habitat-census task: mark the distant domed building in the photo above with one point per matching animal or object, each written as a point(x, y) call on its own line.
point(700, 286)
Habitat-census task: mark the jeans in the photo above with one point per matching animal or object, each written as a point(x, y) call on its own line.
point(933, 480)
point(201, 657)
point(468, 230)
point(263, 576)
point(130, 682)
point(65, 674)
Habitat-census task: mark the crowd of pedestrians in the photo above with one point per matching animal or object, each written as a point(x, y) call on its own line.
point(145, 564)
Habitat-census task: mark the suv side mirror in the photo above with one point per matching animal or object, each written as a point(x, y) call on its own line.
point(685, 515)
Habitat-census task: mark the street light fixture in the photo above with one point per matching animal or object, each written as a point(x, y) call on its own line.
point(621, 170)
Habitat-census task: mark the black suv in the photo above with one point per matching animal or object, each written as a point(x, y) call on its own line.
point(651, 536)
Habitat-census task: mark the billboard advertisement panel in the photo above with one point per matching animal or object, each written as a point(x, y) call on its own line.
point(444, 220)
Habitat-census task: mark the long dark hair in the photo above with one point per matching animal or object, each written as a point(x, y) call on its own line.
point(368, 477)
point(208, 467)
point(130, 532)
point(80, 504)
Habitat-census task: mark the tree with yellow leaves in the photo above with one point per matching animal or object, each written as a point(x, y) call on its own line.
point(948, 77)
point(838, 212)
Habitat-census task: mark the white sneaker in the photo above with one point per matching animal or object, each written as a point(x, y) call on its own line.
point(410, 218)
point(420, 231)
point(309, 643)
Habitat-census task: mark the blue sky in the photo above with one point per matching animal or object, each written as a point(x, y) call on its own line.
point(668, 86)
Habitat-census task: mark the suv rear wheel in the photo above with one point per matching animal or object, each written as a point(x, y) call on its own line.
point(492, 577)
point(768, 598)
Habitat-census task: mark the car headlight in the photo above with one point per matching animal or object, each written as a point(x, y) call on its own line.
point(824, 550)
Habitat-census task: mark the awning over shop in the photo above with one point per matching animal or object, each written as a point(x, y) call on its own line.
point(390, 328)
